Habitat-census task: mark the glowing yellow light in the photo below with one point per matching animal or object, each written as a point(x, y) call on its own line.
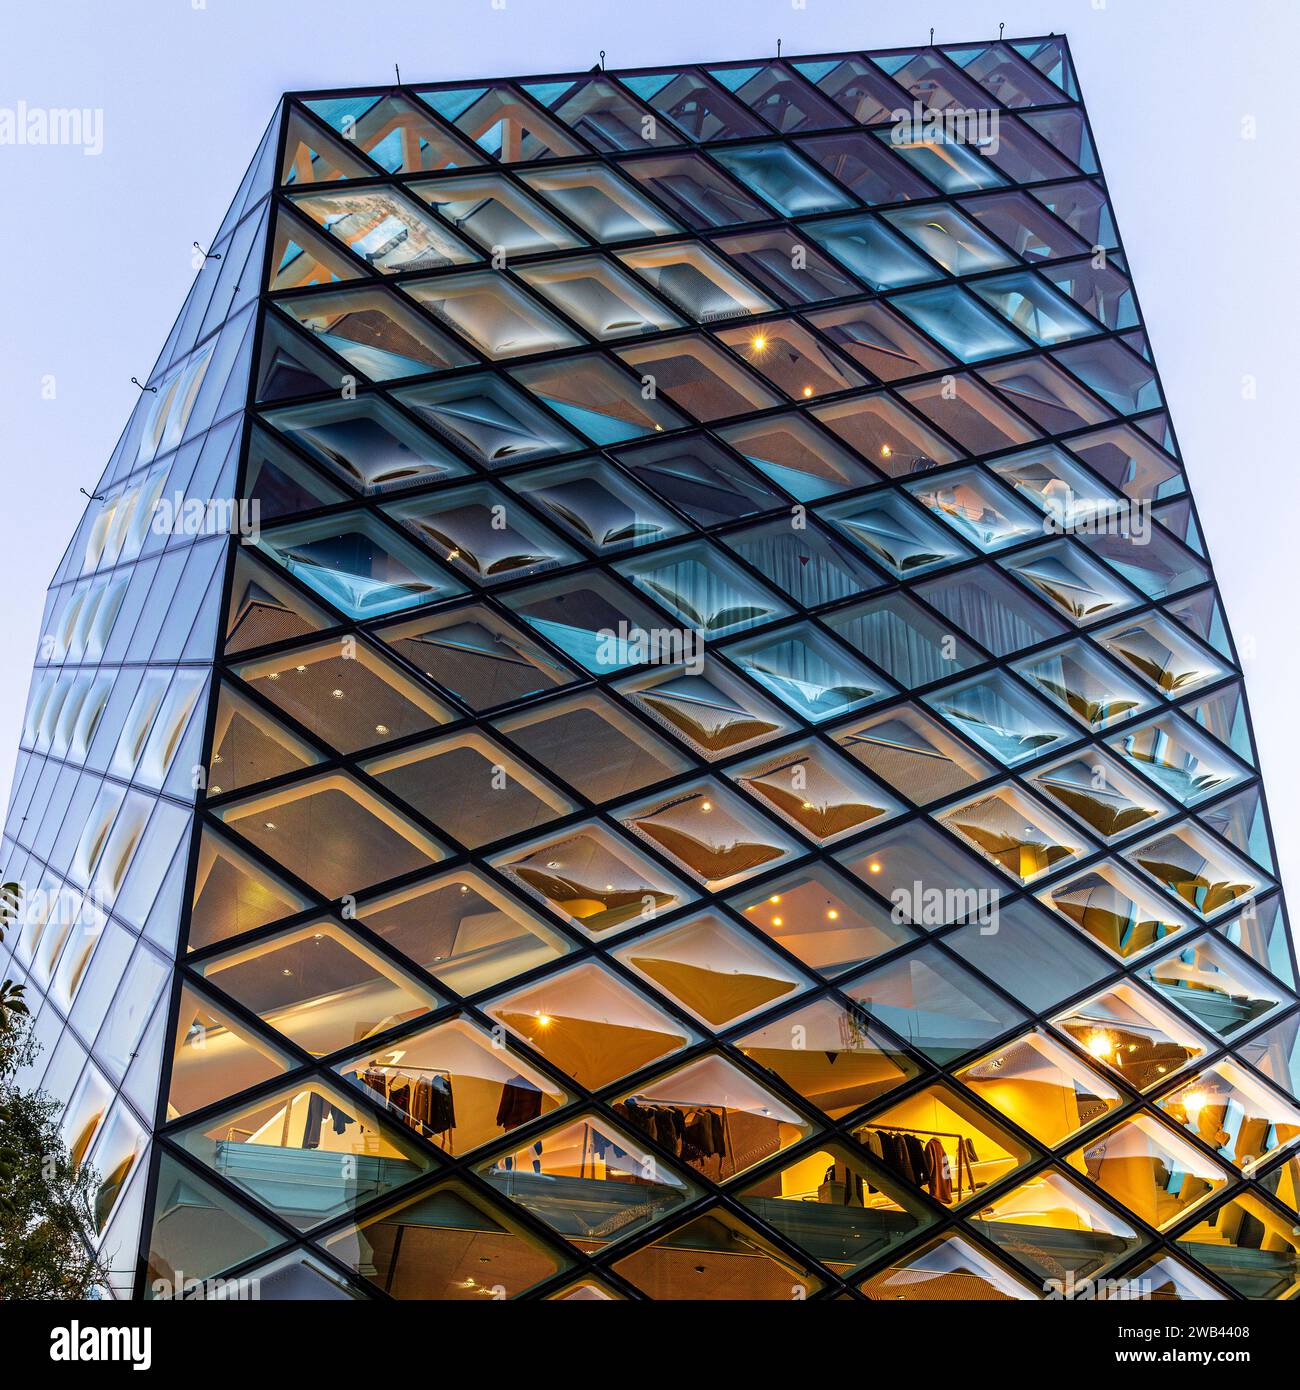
point(777, 922)
point(885, 451)
point(775, 898)
point(758, 343)
point(833, 915)
point(807, 390)
point(874, 867)
point(543, 1020)
point(706, 806)
point(1193, 1100)
point(1099, 1044)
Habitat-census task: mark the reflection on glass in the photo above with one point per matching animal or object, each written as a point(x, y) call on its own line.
point(589, 1181)
point(595, 881)
point(455, 1085)
point(717, 1256)
point(492, 315)
point(1230, 1110)
point(935, 1004)
point(482, 659)
point(937, 1142)
point(1215, 985)
point(319, 985)
point(711, 833)
point(367, 443)
point(1250, 1245)
point(830, 1055)
point(1114, 907)
point(448, 1244)
point(949, 1270)
point(376, 333)
point(1055, 1228)
point(360, 565)
point(712, 969)
point(1124, 1029)
point(1149, 1170)
point(820, 795)
point(591, 1025)
point(1042, 1087)
point(843, 1210)
point(308, 1152)
point(713, 712)
point(462, 929)
point(496, 214)
point(384, 228)
point(1016, 833)
point(713, 1117)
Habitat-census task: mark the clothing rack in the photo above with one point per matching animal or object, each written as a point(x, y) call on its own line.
point(963, 1163)
point(400, 1068)
point(723, 1113)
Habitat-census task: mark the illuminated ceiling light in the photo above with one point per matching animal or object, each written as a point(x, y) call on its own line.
point(758, 343)
point(833, 915)
point(874, 867)
point(778, 922)
point(1099, 1044)
point(775, 898)
point(885, 451)
point(807, 391)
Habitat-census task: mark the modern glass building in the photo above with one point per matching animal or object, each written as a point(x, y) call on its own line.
point(641, 711)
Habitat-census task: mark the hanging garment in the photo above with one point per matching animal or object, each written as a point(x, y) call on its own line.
point(399, 1094)
point(520, 1102)
point(442, 1106)
point(704, 1136)
point(318, 1108)
point(915, 1158)
point(317, 1105)
point(938, 1178)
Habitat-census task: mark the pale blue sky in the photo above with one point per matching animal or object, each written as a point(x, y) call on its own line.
point(96, 250)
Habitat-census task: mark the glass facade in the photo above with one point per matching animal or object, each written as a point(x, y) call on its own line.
point(678, 739)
